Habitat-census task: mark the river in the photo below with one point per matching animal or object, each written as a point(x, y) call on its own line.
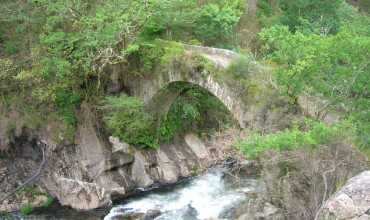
point(213, 194)
point(208, 196)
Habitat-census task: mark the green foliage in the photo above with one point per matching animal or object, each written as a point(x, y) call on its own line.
point(317, 15)
point(32, 193)
point(145, 56)
point(26, 209)
point(183, 20)
point(6, 215)
point(313, 16)
point(54, 53)
point(48, 202)
point(172, 50)
point(241, 67)
point(62, 46)
point(196, 109)
point(7, 69)
point(268, 13)
point(171, 19)
point(10, 47)
point(215, 25)
point(365, 5)
point(311, 135)
point(125, 118)
point(65, 102)
point(335, 67)
point(203, 64)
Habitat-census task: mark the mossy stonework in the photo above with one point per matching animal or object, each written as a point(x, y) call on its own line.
point(198, 66)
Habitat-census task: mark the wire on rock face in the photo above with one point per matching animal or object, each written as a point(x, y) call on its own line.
point(32, 178)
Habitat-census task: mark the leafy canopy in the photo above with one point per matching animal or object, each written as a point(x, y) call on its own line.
point(334, 67)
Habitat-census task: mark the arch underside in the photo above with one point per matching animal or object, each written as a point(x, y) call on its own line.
point(159, 91)
point(162, 101)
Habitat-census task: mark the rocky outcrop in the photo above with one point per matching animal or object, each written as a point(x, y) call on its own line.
point(81, 195)
point(299, 181)
point(108, 168)
point(96, 169)
point(93, 169)
point(351, 202)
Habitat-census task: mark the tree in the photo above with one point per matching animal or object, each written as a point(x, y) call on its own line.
point(336, 67)
point(215, 25)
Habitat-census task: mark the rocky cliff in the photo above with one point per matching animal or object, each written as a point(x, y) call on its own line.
point(95, 169)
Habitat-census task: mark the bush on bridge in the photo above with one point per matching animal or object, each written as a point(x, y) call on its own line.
point(146, 57)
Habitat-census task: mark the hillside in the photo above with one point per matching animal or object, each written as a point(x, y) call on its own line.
point(102, 99)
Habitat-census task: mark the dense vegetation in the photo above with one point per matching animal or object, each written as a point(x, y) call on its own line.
point(318, 48)
point(195, 110)
point(309, 134)
point(53, 55)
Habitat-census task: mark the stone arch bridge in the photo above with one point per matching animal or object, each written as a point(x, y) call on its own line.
point(159, 91)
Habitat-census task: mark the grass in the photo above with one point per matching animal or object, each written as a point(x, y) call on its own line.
point(32, 192)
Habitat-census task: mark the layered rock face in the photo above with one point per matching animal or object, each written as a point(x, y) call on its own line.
point(351, 202)
point(95, 170)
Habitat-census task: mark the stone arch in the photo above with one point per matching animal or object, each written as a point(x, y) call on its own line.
point(164, 97)
point(150, 87)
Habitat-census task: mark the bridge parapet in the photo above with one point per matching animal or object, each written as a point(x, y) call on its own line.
point(220, 57)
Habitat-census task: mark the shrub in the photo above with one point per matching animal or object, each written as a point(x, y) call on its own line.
point(126, 119)
point(333, 67)
point(10, 47)
point(240, 67)
point(146, 55)
point(311, 135)
point(26, 209)
point(195, 108)
point(308, 15)
point(215, 24)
